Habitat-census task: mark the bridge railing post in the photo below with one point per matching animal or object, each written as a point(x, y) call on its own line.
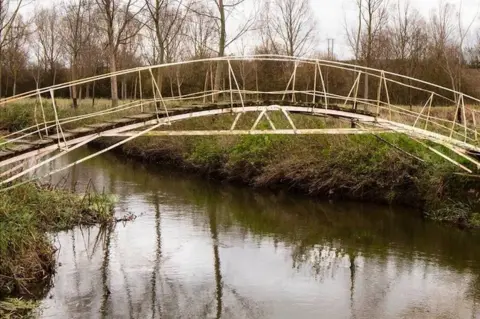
point(427, 104)
point(387, 94)
point(475, 124)
point(455, 117)
point(140, 90)
point(212, 83)
point(379, 93)
point(355, 94)
point(232, 74)
point(464, 119)
point(205, 86)
point(230, 83)
point(156, 91)
point(429, 111)
point(294, 81)
point(353, 89)
point(43, 111)
point(57, 121)
point(322, 80)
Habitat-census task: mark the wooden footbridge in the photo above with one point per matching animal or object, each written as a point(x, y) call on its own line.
point(261, 85)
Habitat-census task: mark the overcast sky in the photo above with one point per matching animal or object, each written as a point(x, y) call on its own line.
point(331, 16)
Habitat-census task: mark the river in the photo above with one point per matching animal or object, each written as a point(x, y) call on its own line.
point(202, 249)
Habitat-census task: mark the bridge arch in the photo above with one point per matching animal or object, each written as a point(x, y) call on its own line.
point(293, 85)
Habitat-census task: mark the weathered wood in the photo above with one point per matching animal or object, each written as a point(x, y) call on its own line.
point(81, 130)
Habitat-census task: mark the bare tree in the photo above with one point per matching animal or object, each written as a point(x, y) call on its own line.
point(201, 31)
point(167, 24)
point(15, 52)
point(77, 18)
point(444, 45)
point(8, 13)
point(167, 20)
point(291, 24)
point(220, 11)
point(409, 40)
point(373, 18)
point(49, 39)
point(119, 22)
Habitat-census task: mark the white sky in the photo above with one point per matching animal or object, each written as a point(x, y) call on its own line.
point(331, 16)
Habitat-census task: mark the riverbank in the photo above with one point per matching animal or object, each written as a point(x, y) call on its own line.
point(365, 168)
point(27, 214)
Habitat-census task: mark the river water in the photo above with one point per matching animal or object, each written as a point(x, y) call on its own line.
point(201, 249)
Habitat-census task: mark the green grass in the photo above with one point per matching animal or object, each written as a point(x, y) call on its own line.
point(27, 213)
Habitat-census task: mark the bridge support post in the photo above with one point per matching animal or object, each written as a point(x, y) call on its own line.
point(57, 121)
point(294, 82)
point(140, 90)
point(475, 124)
point(387, 94)
point(458, 115)
point(353, 89)
point(429, 104)
point(232, 74)
point(43, 111)
point(322, 80)
point(156, 90)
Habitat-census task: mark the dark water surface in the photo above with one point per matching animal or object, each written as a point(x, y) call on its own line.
point(200, 249)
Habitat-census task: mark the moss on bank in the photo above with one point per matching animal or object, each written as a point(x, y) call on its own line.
point(27, 214)
point(351, 167)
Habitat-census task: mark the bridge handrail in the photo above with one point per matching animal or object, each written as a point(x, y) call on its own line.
point(278, 58)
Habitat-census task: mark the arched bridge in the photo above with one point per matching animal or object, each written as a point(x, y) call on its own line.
point(361, 100)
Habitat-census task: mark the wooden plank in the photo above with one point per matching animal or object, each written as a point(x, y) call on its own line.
point(19, 147)
point(122, 121)
point(100, 125)
point(40, 142)
point(142, 116)
point(81, 130)
point(57, 136)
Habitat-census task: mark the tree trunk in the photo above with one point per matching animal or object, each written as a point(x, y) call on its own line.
point(113, 81)
point(179, 86)
point(221, 48)
point(74, 87)
point(93, 93)
point(14, 83)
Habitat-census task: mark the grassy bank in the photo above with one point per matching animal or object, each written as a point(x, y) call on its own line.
point(364, 167)
point(27, 214)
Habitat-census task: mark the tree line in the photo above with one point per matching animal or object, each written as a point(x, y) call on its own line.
point(82, 38)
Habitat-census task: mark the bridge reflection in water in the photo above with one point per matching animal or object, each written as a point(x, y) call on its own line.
point(297, 86)
point(201, 250)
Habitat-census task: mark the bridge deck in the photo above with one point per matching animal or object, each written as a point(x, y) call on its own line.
point(36, 144)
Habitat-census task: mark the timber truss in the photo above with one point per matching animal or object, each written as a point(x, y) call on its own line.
point(294, 87)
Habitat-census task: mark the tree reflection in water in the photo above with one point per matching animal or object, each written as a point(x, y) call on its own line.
point(177, 259)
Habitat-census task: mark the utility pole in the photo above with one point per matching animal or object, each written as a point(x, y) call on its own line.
point(331, 48)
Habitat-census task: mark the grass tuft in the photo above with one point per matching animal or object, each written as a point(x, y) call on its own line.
point(27, 213)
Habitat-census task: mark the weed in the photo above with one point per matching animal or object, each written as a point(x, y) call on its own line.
point(27, 213)
point(13, 308)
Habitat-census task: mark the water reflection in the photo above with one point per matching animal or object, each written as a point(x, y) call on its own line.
point(202, 250)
